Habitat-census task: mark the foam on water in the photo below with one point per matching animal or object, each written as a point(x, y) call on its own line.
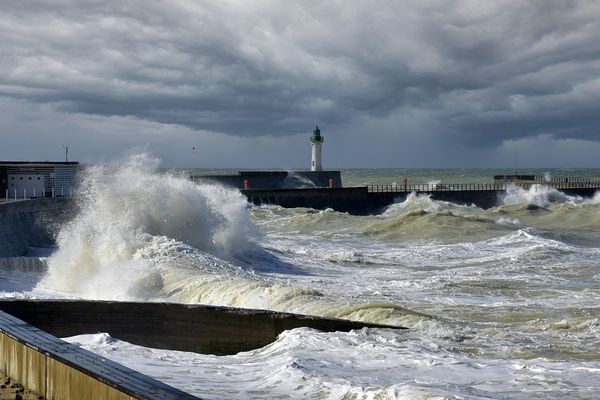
point(501, 303)
point(130, 215)
point(304, 363)
point(540, 195)
point(414, 202)
point(142, 235)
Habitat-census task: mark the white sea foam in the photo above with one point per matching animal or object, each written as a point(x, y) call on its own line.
point(501, 303)
point(129, 216)
point(141, 235)
point(539, 195)
point(365, 364)
point(413, 202)
point(593, 200)
point(508, 221)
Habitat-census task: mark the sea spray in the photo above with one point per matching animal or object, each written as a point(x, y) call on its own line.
point(150, 236)
point(128, 214)
point(293, 181)
point(144, 235)
point(539, 195)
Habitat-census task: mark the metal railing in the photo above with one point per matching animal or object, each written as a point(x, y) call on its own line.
point(16, 194)
point(442, 187)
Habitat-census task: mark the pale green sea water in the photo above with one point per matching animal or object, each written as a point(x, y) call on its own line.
point(500, 303)
point(361, 177)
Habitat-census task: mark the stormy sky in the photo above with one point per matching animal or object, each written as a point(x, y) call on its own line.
point(390, 83)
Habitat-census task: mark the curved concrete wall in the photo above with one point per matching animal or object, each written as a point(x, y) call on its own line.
point(185, 327)
point(29, 223)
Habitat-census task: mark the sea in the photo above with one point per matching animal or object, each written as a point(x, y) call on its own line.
point(500, 303)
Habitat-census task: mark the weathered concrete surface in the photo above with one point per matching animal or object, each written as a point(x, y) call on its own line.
point(30, 223)
point(197, 328)
point(56, 369)
point(353, 200)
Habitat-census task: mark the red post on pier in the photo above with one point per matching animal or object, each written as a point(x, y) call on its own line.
point(246, 184)
point(405, 182)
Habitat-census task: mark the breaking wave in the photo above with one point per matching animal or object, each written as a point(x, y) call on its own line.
point(132, 219)
point(539, 195)
point(543, 196)
point(144, 235)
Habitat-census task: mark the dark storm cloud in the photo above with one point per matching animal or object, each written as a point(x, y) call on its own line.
point(485, 71)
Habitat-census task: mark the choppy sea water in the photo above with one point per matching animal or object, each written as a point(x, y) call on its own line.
point(501, 303)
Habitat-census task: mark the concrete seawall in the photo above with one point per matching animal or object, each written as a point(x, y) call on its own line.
point(29, 223)
point(359, 200)
point(362, 201)
point(197, 328)
point(354, 200)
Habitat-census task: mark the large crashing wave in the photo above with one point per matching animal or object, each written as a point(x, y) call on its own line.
point(144, 235)
point(132, 219)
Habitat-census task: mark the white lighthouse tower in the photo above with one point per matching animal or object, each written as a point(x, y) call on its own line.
point(316, 141)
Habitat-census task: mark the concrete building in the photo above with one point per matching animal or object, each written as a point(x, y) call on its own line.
point(28, 179)
point(316, 141)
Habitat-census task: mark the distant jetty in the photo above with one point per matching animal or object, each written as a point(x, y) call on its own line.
point(372, 199)
point(321, 189)
point(275, 179)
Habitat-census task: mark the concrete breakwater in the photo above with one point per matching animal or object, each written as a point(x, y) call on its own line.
point(372, 199)
point(185, 327)
point(361, 200)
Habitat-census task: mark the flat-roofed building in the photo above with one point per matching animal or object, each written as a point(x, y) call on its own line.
point(28, 179)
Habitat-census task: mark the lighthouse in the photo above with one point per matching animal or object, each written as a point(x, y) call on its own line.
point(316, 141)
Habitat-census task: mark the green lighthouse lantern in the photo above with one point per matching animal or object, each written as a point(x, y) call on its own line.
point(316, 135)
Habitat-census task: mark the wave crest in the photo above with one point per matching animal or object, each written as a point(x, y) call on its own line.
point(129, 215)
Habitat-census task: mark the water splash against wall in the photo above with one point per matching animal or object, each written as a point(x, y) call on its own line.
point(131, 215)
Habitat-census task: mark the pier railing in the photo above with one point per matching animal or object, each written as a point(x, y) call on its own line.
point(24, 194)
point(442, 187)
